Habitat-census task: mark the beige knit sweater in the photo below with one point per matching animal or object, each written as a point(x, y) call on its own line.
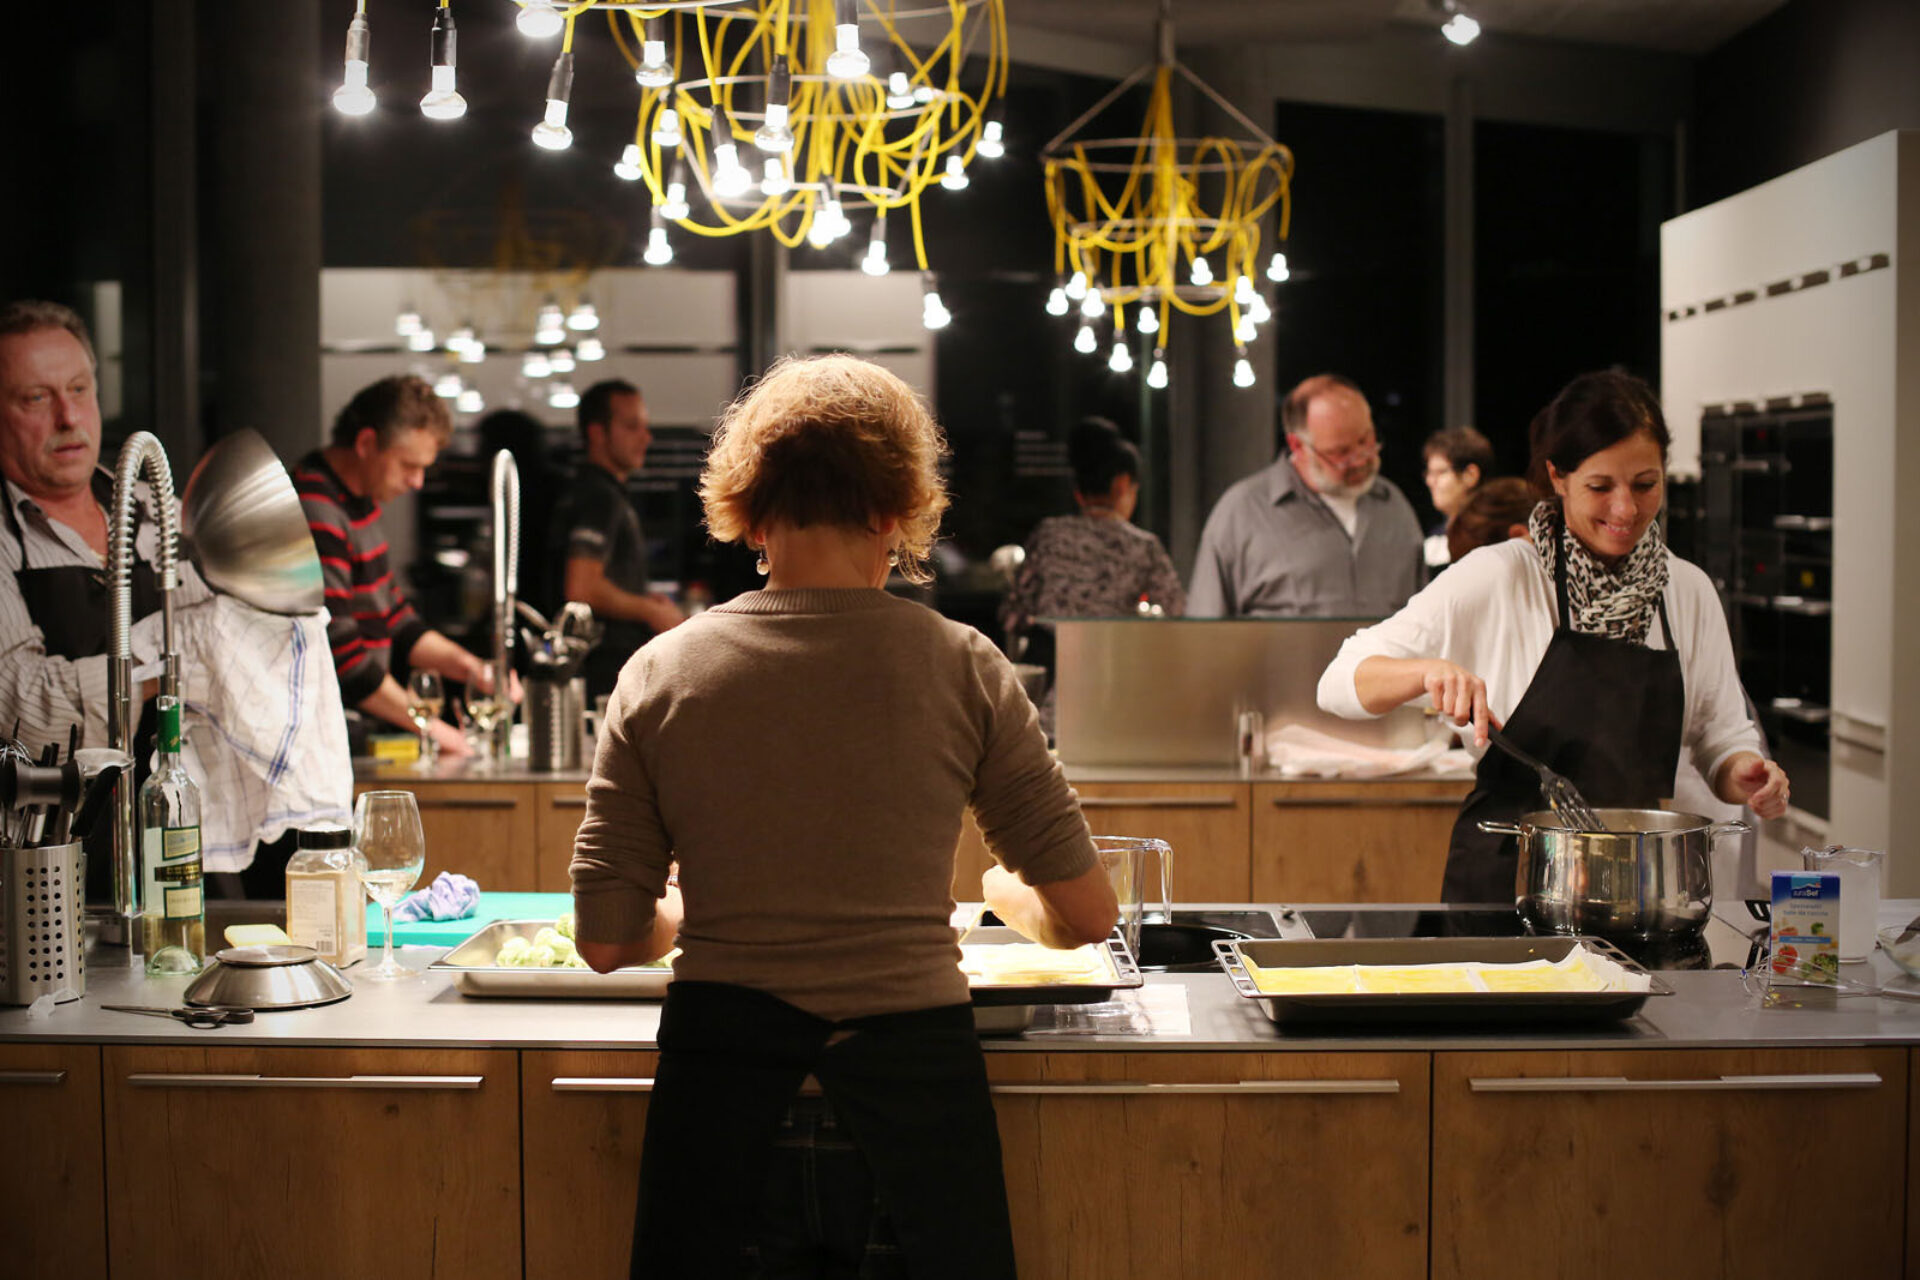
point(807, 756)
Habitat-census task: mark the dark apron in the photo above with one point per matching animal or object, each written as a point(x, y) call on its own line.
point(910, 1088)
point(1608, 714)
point(70, 605)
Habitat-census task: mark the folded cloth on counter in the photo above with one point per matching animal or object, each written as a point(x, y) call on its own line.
point(451, 896)
point(264, 733)
point(1295, 751)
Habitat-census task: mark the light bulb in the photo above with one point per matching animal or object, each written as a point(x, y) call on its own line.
point(654, 71)
point(1259, 310)
point(420, 340)
point(774, 135)
point(459, 338)
point(933, 312)
point(675, 206)
point(448, 386)
point(993, 143)
point(1093, 306)
point(1202, 273)
point(1244, 331)
point(474, 352)
point(659, 253)
point(666, 129)
point(552, 132)
point(1243, 290)
point(407, 323)
point(774, 180)
point(539, 19)
point(819, 232)
point(1157, 373)
point(583, 319)
point(563, 396)
point(835, 218)
point(549, 316)
point(899, 92)
point(442, 103)
point(628, 166)
point(1057, 301)
point(955, 178)
point(561, 361)
point(1077, 286)
point(1084, 342)
point(847, 62)
point(1277, 267)
point(590, 349)
point(353, 98)
point(1120, 360)
point(1460, 29)
point(731, 178)
point(923, 93)
point(1149, 321)
point(536, 366)
point(547, 336)
point(469, 401)
point(875, 263)
point(1242, 371)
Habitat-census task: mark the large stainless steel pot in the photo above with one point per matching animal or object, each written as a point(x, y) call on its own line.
point(1648, 877)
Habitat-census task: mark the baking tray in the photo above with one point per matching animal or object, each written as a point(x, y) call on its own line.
point(475, 974)
point(1450, 1007)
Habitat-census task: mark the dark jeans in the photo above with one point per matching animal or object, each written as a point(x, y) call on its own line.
point(897, 1174)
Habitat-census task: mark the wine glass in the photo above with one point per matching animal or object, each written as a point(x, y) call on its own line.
point(425, 697)
point(488, 708)
point(389, 850)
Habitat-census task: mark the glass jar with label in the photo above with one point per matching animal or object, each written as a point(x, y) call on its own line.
point(326, 908)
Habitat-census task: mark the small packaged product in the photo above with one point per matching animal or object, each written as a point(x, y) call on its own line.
point(1806, 926)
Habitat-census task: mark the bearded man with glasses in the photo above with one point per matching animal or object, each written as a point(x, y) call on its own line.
point(1320, 533)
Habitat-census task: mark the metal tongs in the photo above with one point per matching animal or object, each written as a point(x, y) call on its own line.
point(1556, 789)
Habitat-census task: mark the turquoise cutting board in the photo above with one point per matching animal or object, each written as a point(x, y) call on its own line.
point(448, 933)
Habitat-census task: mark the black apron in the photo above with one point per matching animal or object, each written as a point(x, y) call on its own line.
point(70, 603)
point(1609, 714)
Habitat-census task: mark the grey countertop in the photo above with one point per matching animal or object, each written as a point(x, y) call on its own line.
point(1709, 1009)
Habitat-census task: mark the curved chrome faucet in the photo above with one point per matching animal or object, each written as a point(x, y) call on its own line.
point(141, 453)
point(504, 490)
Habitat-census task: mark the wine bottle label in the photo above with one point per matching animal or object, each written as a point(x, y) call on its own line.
point(173, 876)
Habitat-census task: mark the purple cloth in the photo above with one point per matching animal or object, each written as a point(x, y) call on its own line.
point(451, 896)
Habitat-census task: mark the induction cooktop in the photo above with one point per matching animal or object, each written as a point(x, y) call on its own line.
point(1732, 939)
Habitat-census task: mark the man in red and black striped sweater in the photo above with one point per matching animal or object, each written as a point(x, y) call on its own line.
point(382, 444)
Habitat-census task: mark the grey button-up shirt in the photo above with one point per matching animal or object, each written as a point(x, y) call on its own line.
point(1273, 549)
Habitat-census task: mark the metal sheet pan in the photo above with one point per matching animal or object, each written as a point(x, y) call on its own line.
point(475, 974)
point(1462, 1008)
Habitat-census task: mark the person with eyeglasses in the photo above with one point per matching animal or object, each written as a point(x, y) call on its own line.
point(1320, 533)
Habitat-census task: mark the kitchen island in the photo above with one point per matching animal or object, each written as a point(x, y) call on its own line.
point(500, 1138)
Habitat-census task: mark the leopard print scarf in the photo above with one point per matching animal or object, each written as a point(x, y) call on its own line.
point(1617, 603)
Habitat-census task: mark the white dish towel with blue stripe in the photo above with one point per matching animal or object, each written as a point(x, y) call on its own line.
point(265, 736)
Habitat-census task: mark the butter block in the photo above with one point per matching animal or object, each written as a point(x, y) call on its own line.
point(256, 935)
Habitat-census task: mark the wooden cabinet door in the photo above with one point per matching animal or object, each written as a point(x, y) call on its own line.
point(1147, 1166)
point(1748, 1163)
point(479, 829)
point(52, 1181)
point(558, 808)
point(312, 1164)
point(1352, 841)
point(583, 1116)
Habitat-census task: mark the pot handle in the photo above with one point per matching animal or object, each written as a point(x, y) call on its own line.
point(1501, 828)
point(1731, 824)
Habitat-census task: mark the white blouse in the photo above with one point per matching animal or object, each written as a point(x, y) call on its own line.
point(1494, 613)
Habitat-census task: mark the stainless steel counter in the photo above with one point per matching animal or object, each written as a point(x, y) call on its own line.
point(1711, 1009)
point(367, 770)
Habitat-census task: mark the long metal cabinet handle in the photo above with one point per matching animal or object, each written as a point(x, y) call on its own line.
point(164, 1080)
point(603, 1084)
point(567, 802)
point(1157, 802)
point(1245, 1087)
point(1868, 735)
point(1718, 1084)
point(1364, 802)
point(33, 1077)
point(465, 802)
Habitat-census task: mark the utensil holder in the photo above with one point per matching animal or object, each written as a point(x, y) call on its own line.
point(553, 723)
point(43, 923)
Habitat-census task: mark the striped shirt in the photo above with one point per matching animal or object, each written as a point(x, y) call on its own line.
point(372, 622)
point(48, 694)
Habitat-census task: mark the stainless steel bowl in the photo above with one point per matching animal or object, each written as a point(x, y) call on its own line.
point(269, 977)
point(245, 529)
point(1647, 878)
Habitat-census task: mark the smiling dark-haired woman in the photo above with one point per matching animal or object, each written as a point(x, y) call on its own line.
point(1595, 648)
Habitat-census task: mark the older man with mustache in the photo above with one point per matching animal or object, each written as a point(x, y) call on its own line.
point(1319, 533)
point(53, 534)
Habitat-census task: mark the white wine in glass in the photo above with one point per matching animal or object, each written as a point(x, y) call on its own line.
point(425, 697)
point(488, 707)
point(389, 852)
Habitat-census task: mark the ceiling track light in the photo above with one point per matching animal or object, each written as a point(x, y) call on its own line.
point(443, 101)
point(552, 132)
point(353, 97)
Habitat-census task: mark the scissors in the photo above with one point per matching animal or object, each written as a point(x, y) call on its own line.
point(213, 1016)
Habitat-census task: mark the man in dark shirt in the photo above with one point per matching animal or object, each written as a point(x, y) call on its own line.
point(597, 533)
point(382, 444)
